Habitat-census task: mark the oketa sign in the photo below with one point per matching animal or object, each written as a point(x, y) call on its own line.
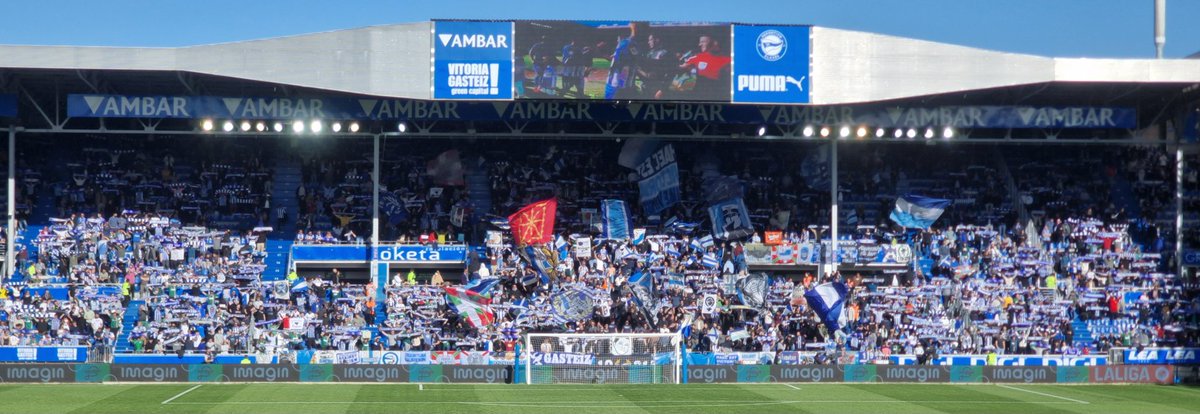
point(472, 60)
point(771, 64)
point(395, 253)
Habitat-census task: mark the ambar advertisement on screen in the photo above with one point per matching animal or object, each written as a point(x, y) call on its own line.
point(622, 60)
point(472, 60)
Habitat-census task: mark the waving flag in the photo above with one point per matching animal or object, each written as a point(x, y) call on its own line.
point(542, 260)
point(827, 301)
point(730, 219)
point(446, 169)
point(391, 207)
point(914, 211)
point(561, 246)
point(711, 261)
point(752, 290)
point(500, 222)
point(642, 286)
point(482, 286)
point(639, 236)
point(300, 286)
point(471, 306)
point(674, 224)
point(534, 224)
point(616, 219)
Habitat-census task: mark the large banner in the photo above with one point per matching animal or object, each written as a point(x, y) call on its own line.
point(658, 188)
point(862, 252)
point(615, 219)
point(472, 60)
point(771, 64)
point(730, 219)
point(622, 60)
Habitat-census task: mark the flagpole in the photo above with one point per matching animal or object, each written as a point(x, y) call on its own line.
point(11, 210)
point(833, 209)
point(378, 273)
point(1178, 210)
point(375, 195)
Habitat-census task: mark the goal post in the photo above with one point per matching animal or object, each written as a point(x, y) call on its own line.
point(632, 358)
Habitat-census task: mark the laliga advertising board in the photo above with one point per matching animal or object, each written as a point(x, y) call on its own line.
point(472, 60)
point(771, 64)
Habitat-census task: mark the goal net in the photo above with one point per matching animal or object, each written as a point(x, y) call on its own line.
point(602, 358)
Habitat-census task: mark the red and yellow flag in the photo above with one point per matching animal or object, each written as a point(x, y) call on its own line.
point(534, 224)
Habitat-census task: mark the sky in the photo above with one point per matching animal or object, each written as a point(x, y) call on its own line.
point(1058, 28)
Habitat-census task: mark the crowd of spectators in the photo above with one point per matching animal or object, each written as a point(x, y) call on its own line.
point(200, 183)
point(1033, 248)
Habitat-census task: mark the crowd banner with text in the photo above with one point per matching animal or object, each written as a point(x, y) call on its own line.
point(658, 188)
point(771, 64)
point(622, 60)
point(472, 60)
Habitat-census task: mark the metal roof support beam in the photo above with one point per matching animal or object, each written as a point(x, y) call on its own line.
point(37, 106)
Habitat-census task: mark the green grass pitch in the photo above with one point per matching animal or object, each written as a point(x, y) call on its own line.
point(579, 399)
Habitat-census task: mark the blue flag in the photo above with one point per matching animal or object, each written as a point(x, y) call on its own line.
point(914, 211)
point(730, 219)
point(642, 286)
point(500, 223)
point(483, 287)
point(543, 262)
point(560, 244)
point(616, 219)
point(827, 301)
point(301, 285)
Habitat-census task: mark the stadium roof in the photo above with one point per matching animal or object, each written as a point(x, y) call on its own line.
point(393, 61)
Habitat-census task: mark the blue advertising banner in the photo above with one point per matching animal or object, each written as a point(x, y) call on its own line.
point(197, 107)
point(403, 253)
point(43, 354)
point(472, 60)
point(8, 105)
point(771, 64)
point(1162, 356)
point(456, 253)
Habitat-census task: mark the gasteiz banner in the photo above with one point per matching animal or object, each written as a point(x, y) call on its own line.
point(771, 64)
point(623, 60)
point(472, 60)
